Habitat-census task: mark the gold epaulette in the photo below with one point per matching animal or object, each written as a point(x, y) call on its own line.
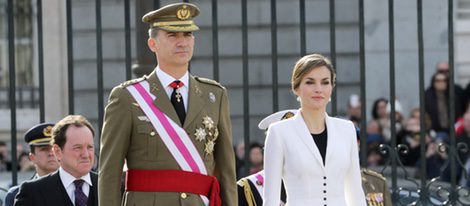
point(373, 173)
point(250, 198)
point(209, 81)
point(132, 81)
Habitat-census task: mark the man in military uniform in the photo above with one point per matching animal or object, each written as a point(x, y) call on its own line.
point(374, 184)
point(250, 188)
point(38, 139)
point(171, 128)
point(375, 188)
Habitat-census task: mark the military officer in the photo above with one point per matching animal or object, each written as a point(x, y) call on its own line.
point(250, 188)
point(38, 139)
point(171, 128)
point(374, 184)
point(375, 188)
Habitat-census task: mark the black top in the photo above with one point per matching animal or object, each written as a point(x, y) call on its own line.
point(320, 141)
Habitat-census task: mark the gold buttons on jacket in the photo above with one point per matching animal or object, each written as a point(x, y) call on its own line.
point(184, 195)
point(152, 134)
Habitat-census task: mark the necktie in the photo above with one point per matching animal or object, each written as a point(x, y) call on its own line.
point(177, 100)
point(80, 197)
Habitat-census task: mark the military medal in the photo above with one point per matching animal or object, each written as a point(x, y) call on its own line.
point(154, 87)
point(197, 90)
point(208, 122)
point(209, 132)
point(209, 147)
point(211, 97)
point(143, 118)
point(216, 133)
point(178, 96)
point(379, 198)
point(200, 134)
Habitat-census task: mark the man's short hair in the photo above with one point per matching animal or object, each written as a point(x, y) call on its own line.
point(59, 130)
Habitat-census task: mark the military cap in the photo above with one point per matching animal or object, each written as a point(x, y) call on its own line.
point(39, 134)
point(278, 116)
point(177, 17)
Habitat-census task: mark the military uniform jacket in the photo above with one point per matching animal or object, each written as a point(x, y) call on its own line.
point(248, 194)
point(375, 188)
point(128, 136)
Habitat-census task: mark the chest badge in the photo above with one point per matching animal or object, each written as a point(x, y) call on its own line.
point(207, 132)
point(200, 134)
point(211, 97)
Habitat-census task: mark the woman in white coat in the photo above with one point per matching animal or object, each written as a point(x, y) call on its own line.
point(316, 155)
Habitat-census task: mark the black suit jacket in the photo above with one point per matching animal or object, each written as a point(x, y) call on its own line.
point(49, 191)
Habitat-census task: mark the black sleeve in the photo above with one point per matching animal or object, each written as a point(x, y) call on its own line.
point(241, 196)
point(10, 197)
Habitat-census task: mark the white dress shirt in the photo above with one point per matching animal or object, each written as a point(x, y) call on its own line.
point(166, 80)
point(67, 180)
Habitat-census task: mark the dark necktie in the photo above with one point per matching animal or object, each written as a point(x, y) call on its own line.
point(80, 197)
point(177, 100)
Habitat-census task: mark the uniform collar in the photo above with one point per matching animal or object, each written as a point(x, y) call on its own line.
point(166, 79)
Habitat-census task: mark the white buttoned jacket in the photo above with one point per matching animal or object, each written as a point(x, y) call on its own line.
point(291, 154)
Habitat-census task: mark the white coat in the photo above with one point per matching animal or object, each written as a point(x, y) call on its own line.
point(291, 154)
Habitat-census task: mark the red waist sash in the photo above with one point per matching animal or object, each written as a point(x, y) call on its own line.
point(174, 181)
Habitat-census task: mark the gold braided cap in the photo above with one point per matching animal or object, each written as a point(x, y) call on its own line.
point(173, 17)
point(42, 141)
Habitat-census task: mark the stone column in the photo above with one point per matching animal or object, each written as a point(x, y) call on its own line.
point(145, 59)
point(55, 60)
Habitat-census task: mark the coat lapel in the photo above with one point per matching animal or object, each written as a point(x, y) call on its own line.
point(331, 139)
point(93, 195)
point(56, 187)
point(306, 137)
point(195, 101)
point(162, 101)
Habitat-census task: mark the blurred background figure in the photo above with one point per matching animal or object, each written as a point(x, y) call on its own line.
point(255, 160)
point(354, 110)
point(379, 114)
point(410, 136)
point(386, 127)
point(374, 139)
point(461, 95)
point(437, 105)
point(3, 156)
point(239, 158)
point(465, 138)
point(379, 109)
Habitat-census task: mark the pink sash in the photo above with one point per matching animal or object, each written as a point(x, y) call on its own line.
point(173, 136)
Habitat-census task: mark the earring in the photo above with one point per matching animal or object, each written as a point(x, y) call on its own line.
point(329, 100)
point(298, 99)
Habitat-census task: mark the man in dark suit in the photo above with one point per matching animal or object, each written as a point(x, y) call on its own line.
point(73, 184)
point(38, 139)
